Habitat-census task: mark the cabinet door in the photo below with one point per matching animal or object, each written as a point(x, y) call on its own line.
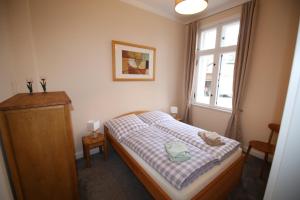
point(42, 152)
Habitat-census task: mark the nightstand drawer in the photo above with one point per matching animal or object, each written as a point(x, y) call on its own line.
point(97, 144)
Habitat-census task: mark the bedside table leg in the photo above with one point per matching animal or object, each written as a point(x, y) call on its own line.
point(87, 157)
point(105, 147)
point(105, 150)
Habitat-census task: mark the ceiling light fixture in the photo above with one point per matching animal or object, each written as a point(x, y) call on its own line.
point(189, 7)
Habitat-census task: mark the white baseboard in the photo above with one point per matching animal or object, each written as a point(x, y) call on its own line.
point(79, 154)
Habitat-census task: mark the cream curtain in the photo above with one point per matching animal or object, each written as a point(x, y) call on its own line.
point(240, 69)
point(189, 69)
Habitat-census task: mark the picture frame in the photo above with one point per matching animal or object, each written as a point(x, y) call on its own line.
point(132, 62)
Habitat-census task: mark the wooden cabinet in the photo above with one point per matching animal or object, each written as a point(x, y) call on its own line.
point(36, 133)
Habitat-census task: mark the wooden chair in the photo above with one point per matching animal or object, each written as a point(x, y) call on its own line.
point(265, 147)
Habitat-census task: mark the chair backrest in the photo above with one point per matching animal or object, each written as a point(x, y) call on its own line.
point(274, 129)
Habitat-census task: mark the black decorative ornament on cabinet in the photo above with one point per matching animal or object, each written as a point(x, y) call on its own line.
point(29, 86)
point(43, 84)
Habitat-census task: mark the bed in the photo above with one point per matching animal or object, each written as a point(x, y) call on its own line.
point(216, 183)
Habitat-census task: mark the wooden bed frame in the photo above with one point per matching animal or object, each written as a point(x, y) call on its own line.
point(219, 188)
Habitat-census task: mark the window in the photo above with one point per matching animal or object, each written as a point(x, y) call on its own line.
point(213, 83)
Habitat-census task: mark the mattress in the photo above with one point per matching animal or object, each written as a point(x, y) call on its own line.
point(192, 189)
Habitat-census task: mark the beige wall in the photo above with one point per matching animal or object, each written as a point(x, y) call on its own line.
point(6, 61)
point(270, 63)
point(21, 45)
point(70, 44)
point(5, 89)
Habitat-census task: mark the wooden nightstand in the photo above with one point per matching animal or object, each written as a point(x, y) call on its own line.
point(178, 118)
point(89, 142)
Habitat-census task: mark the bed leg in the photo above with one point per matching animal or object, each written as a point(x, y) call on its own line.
point(105, 143)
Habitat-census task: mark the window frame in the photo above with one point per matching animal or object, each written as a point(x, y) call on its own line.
point(216, 52)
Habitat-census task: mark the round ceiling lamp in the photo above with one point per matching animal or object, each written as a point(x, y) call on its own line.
point(189, 7)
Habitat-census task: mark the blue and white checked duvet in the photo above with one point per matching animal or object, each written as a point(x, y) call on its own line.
point(149, 142)
point(190, 135)
point(149, 139)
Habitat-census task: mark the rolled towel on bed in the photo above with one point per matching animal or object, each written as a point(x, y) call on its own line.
point(211, 138)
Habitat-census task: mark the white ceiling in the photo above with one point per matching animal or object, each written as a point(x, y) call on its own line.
point(166, 8)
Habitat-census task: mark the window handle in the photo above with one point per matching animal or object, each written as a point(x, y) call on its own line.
point(211, 95)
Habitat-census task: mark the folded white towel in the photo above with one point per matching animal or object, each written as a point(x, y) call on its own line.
point(211, 138)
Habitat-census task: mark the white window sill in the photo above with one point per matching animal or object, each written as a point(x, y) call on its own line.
point(215, 108)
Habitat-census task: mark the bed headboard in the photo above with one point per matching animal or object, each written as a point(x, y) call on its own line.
point(134, 112)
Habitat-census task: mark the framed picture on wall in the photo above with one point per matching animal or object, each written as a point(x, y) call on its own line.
point(132, 62)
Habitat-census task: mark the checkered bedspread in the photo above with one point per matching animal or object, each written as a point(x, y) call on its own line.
point(149, 142)
point(189, 134)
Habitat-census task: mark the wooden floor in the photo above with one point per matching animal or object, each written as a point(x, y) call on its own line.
point(112, 179)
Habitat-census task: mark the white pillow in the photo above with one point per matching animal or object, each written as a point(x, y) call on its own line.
point(121, 126)
point(155, 117)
